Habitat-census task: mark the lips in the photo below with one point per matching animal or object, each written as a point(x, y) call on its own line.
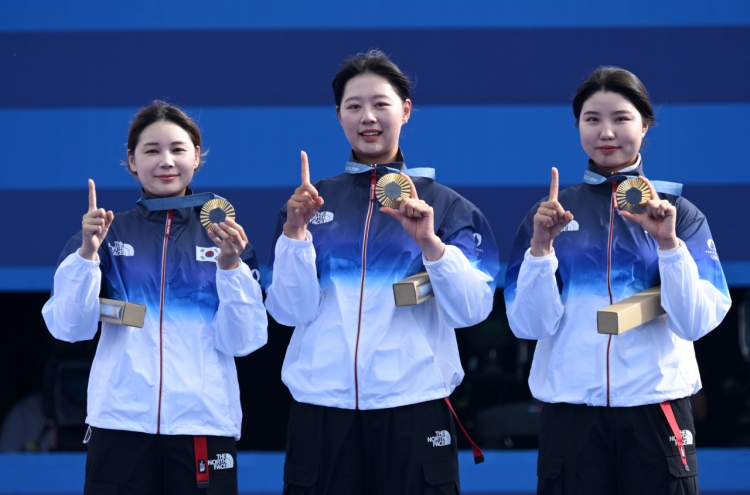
point(607, 150)
point(166, 178)
point(370, 135)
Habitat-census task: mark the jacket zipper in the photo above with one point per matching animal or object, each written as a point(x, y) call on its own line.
point(167, 230)
point(612, 204)
point(362, 287)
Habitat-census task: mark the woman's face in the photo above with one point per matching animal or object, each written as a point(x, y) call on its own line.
point(372, 114)
point(611, 130)
point(164, 159)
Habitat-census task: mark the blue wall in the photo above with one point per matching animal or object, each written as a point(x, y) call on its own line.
point(494, 82)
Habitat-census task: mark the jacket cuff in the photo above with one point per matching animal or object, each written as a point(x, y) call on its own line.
point(295, 243)
point(673, 255)
point(235, 272)
point(81, 262)
point(539, 260)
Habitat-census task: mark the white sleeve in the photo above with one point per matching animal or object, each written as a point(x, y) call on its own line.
point(537, 309)
point(462, 292)
point(694, 307)
point(72, 313)
point(294, 296)
point(240, 323)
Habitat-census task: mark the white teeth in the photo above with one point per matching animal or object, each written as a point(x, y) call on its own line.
point(370, 133)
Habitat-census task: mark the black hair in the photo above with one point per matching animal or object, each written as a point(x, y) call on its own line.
point(372, 62)
point(619, 81)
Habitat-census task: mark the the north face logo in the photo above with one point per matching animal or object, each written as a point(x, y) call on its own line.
point(322, 217)
point(222, 461)
point(201, 466)
point(121, 249)
point(440, 439)
point(571, 227)
point(687, 438)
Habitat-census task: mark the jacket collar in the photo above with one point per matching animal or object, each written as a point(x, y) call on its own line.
point(179, 215)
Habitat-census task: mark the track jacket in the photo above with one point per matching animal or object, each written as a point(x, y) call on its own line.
point(600, 259)
point(352, 347)
point(176, 375)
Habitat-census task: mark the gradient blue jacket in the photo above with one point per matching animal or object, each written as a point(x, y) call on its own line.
point(352, 347)
point(600, 259)
point(176, 375)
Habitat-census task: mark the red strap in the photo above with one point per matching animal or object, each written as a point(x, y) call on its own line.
point(666, 406)
point(201, 461)
point(478, 455)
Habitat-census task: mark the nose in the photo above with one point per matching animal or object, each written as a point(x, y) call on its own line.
point(368, 116)
point(168, 160)
point(607, 132)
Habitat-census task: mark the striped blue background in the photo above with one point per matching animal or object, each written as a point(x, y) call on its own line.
point(493, 87)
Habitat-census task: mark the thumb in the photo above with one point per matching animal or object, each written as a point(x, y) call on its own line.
point(392, 212)
point(636, 219)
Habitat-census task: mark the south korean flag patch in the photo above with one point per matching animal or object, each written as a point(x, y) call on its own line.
point(206, 253)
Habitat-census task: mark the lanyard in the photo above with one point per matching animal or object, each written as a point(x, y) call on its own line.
point(673, 188)
point(358, 168)
point(177, 202)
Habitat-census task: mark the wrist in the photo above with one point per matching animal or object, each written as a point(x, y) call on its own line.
point(432, 248)
point(297, 233)
point(90, 256)
point(540, 249)
point(671, 243)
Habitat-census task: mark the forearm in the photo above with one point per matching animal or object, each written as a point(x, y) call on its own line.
point(240, 322)
point(72, 313)
point(694, 307)
point(294, 293)
point(536, 311)
point(462, 291)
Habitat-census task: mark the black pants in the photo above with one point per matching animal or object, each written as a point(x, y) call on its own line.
point(127, 462)
point(401, 450)
point(615, 450)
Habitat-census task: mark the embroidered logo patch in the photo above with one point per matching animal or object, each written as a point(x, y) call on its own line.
point(440, 439)
point(322, 217)
point(119, 248)
point(222, 461)
point(206, 253)
point(687, 438)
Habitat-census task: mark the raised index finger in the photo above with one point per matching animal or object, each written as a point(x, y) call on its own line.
point(554, 185)
point(412, 189)
point(305, 168)
point(92, 195)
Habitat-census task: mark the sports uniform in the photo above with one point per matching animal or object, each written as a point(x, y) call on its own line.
point(599, 259)
point(176, 375)
point(359, 360)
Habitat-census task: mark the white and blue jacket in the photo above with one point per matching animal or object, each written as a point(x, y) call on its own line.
point(352, 347)
point(600, 259)
point(176, 375)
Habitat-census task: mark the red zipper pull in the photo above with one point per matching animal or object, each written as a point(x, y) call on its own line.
point(168, 228)
point(372, 186)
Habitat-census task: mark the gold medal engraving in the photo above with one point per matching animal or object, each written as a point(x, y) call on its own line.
point(632, 195)
point(216, 211)
point(391, 189)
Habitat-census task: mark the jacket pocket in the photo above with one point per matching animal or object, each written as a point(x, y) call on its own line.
point(441, 478)
point(676, 468)
point(300, 474)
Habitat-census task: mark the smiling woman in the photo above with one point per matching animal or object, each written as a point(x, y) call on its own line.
point(165, 394)
point(370, 379)
point(631, 390)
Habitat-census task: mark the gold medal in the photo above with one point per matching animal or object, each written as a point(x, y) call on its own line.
point(216, 211)
point(632, 195)
point(391, 189)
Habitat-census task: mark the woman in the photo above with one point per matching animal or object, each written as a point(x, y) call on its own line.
point(617, 413)
point(369, 379)
point(163, 400)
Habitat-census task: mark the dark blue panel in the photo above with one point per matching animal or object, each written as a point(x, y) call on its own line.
point(58, 215)
point(38, 15)
point(294, 67)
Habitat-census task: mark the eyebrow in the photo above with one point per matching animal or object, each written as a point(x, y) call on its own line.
point(616, 112)
point(157, 144)
point(373, 97)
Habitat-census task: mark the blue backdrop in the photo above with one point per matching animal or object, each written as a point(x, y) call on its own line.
point(493, 85)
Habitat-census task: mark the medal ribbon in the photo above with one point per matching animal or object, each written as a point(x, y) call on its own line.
point(177, 202)
point(358, 168)
point(673, 188)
